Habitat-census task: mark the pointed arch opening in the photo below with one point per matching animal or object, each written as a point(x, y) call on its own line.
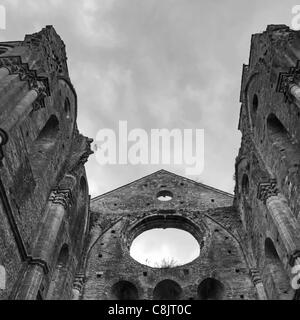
point(276, 279)
point(60, 274)
point(211, 289)
point(124, 290)
point(167, 290)
point(42, 148)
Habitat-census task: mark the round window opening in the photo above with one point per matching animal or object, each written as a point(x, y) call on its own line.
point(164, 195)
point(165, 248)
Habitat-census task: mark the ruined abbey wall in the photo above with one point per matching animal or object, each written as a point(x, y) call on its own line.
point(121, 215)
point(56, 243)
point(44, 193)
point(267, 167)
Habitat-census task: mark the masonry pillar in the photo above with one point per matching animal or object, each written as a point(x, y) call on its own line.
point(257, 281)
point(44, 245)
point(77, 286)
point(3, 72)
point(286, 223)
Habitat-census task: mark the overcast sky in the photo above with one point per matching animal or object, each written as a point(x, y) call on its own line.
point(157, 64)
point(162, 245)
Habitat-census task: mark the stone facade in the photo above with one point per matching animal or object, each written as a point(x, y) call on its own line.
point(56, 243)
point(43, 189)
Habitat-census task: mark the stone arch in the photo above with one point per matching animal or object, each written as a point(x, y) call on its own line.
point(60, 275)
point(124, 290)
point(211, 289)
point(283, 151)
point(63, 256)
point(72, 98)
point(277, 131)
point(276, 280)
point(50, 129)
point(249, 97)
point(197, 230)
point(167, 290)
point(67, 108)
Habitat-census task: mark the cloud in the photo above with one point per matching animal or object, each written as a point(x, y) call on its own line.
point(158, 64)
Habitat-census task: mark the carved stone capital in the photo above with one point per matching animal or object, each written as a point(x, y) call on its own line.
point(38, 262)
point(286, 79)
point(62, 197)
point(294, 257)
point(15, 65)
point(267, 189)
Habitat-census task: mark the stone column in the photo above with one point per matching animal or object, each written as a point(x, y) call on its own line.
point(294, 90)
point(3, 72)
point(295, 263)
point(256, 279)
point(58, 203)
point(25, 106)
point(44, 245)
point(77, 286)
point(281, 214)
point(286, 223)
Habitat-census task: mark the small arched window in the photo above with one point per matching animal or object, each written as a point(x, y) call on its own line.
point(42, 148)
point(67, 108)
point(254, 104)
point(164, 195)
point(63, 256)
point(276, 129)
point(245, 185)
